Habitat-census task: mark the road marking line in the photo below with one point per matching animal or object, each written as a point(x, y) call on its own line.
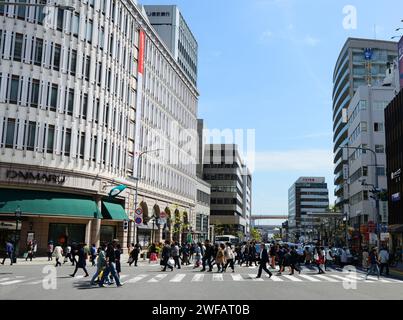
point(326, 278)
point(274, 278)
point(137, 279)
point(33, 282)
point(198, 278)
point(11, 282)
point(292, 278)
point(158, 278)
point(218, 277)
point(4, 279)
point(253, 277)
point(178, 278)
point(237, 277)
point(309, 278)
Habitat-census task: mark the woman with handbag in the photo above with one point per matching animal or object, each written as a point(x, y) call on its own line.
point(220, 258)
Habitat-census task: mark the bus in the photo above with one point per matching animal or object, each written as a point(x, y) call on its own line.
point(227, 238)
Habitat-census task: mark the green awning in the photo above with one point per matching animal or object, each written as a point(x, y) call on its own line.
point(113, 211)
point(47, 204)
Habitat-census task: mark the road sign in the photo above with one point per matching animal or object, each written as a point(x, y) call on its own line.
point(139, 211)
point(138, 220)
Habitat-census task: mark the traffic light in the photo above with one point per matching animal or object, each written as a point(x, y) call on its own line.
point(125, 225)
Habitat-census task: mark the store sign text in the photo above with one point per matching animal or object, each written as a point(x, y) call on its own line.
point(11, 174)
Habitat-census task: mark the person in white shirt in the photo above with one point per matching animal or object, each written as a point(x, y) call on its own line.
point(384, 260)
point(229, 257)
point(329, 258)
point(58, 254)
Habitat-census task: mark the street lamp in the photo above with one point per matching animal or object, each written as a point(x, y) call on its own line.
point(40, 5)
point(18, 214)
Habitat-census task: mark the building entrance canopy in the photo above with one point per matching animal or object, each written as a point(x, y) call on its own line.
point(47, 204)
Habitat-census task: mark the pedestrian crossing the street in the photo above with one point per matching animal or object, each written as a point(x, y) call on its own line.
point(197, 277)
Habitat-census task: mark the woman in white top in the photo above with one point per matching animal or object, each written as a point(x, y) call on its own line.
point(58, 254)
point(229, 257)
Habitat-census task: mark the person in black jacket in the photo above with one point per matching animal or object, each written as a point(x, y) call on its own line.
point(166, 254)
point(294, 261)
point(264, 259)
point(208, 255)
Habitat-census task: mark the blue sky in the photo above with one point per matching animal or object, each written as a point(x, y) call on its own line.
point(267, 65)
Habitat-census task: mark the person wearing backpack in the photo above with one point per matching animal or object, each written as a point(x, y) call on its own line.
point(101, 264)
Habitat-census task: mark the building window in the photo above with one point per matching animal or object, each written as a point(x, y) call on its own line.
point(73, 62)
point(380, 171)
point(30, 136)
point(56, 58)
point(51, 139)
point(378, 127)
point(38, 51)
point(67, 144)
point(88, 36)
point(75, 24)
point(60, 17)
point(379, 148)
point(53, 97)
point(19, 38)
point(70, 101)
point(10, 133)
point(35, 93)
point(14, 86)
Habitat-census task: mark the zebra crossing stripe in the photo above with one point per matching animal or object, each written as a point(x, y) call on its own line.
point(340, 278)
point(137, 279)
point(237, 277)
point(320, 276)
point(292, 278)
point(122, 276)
point(158, 278)
point(198, 278)
point(4, 279)
point(253, 277)
point(7, 283)
point(33, 282)
point(218, 277)
point(309, 278)
point(274, 278)
point(178, 278)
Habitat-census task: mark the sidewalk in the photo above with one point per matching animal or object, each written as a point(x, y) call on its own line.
point(397, 272)
point(44, 261)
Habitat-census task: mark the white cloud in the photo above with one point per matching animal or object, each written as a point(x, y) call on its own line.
point(309, 161)
point(266, 35)
point(311, 41)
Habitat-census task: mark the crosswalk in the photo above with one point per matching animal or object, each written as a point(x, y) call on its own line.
point(197, 277)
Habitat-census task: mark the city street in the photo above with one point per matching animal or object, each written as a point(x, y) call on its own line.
point(147, 282)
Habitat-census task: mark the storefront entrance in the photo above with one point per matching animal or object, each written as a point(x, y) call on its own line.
point(66, 234)
point(108, 234)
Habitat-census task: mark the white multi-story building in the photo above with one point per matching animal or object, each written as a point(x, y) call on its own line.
point(170, 25)
point(366, 130)
point(82, 94)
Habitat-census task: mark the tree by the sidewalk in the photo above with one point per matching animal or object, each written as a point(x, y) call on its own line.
point(255, 235)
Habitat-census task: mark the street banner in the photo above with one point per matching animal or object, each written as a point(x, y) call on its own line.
point(400, 57)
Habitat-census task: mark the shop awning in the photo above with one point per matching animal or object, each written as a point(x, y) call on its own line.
point(47, 203)
point(113, 211)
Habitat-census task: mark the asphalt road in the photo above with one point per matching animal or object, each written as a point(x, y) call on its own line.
point(147, 282)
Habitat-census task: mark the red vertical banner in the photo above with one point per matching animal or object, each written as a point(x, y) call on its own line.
point(141, 52)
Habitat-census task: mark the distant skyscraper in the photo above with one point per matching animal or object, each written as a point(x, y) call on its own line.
point(307, 195)
point(356, 66)
point(174, 31)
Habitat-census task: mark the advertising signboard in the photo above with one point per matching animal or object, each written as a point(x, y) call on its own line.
point(400, 57)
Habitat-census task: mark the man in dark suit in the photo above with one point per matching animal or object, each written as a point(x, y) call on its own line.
point(208, 256)
point(264, 259)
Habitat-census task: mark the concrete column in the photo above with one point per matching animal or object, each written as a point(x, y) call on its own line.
point(88, 232)
point(96, 232)
point(132, 233)
point(158, 234)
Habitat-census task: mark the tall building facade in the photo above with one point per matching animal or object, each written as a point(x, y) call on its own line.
point(366, 129)
point(82, 94)
point(172, 28)
point(307, 195)
point(394, 156)
point(231, 189)
point(361, 62)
